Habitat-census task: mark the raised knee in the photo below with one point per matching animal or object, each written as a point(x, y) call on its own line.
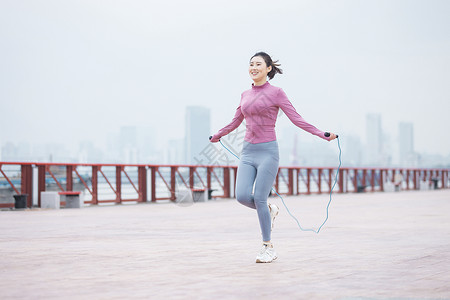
point(244, 198)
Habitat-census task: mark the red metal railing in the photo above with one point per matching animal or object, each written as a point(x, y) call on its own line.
point(119, 183)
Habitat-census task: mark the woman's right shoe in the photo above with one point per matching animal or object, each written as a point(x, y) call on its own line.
point(273, 209)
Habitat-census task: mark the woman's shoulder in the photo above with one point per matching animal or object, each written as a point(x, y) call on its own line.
point(274, 91)
point(276, 88)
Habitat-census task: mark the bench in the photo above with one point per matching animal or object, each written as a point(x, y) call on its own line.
point(361, 188)
point(71, 199)
point(210, 191)
point(199, 194)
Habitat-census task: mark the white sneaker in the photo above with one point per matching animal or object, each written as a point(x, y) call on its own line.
point(267, 254)
point(273, 209)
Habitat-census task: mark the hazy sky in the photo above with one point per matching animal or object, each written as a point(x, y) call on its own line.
point(78, 70)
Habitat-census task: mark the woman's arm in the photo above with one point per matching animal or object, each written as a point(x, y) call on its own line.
point(237, 120)
point(291, 113)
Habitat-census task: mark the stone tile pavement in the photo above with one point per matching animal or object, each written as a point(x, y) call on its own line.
point(374, 246)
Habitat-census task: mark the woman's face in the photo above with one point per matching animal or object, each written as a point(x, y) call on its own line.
point(258, 69)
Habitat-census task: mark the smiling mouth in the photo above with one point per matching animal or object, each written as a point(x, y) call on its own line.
point(254, 73)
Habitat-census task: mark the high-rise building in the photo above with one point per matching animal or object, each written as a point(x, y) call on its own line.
point(147, 145)
point(128, 144)
point(197, 132)
point(354, 150)
point(374, 136)
point(406, 143)
point(174, 153)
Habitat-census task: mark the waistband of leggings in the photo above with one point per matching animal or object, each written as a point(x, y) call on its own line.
point(272, 145)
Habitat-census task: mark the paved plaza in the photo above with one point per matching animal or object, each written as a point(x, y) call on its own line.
point(374, 246)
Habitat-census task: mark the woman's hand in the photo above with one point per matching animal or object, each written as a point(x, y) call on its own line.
point(332, 136)
point(214, 139)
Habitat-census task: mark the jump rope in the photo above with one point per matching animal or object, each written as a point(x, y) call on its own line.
point(327, 134)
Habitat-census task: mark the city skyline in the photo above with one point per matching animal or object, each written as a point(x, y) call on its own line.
point(77, 72)
point(133, 145)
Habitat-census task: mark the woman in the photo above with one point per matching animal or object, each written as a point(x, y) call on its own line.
point(259, 158)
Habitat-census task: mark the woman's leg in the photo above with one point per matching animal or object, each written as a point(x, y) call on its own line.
point(266, 174)
point(244, 184)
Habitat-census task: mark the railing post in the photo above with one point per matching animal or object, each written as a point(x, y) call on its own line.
point(422, 177)
point(372, 180)
point(308, 181)
point(191, 177)
point(69, 178)
point(355, 180)
point(27, 183)
point(173, 183)
point(153, 184)
point(446, 178)
point(415, 179)
point(364, 179)
point(403, 178)
point(381, 180)
point(291, 181)
point(347, 178)
point(41, 182)
point(407, 180)
point(436, 176)
point(119, 184)
point(95, 185)
point(235, 180)
point(319, 180)
point(226, 182)
point(208, 177)
point(330, 175)
point(443, 178)
point(142, 182)
point(341, 181)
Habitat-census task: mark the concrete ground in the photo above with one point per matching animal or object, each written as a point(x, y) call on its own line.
point(374, 246)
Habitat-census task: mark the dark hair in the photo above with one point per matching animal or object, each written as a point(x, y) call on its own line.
point(269, 62)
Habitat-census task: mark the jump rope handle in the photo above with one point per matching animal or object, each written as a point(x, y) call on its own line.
point(327, 134)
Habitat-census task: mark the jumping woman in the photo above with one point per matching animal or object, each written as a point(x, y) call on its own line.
point(258, 166)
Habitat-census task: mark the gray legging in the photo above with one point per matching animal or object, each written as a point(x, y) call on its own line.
point(258, 166)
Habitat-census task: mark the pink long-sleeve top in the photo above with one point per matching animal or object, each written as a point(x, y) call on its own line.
point(259, 106)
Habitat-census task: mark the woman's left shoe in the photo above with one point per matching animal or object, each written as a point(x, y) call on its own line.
point(267, 254)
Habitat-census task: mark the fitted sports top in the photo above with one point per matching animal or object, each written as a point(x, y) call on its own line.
point(259, 107)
